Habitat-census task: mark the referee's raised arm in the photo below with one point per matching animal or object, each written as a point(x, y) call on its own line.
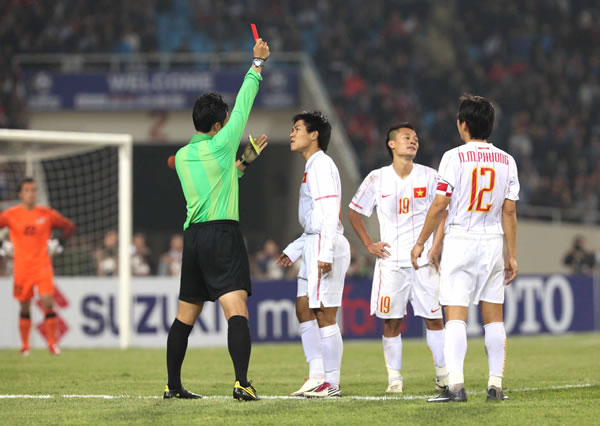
point(234, 127)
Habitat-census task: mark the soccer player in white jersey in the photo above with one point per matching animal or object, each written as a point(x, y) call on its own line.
point(479, 183)
point(325, 256)
point(402, 193)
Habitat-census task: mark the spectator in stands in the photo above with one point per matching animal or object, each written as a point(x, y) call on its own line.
point(170, 262)
point(579, 259)
point(537, 60)
point(107, 256)
point(265, 262)
point(141, 257)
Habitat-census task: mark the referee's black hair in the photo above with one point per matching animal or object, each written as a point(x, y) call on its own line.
point(391, 134)
point(209, 109)
point(316, 121)
point(24, 181)
point(478, 113)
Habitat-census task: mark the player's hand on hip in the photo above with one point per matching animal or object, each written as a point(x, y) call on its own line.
point(284, 260)
point(415, 253)
point(261, 49)
point(253, 150)
point(324, 268)
point(510, 270)
point(379, 249)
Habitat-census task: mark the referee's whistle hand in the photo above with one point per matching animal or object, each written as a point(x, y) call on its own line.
point(251, 152)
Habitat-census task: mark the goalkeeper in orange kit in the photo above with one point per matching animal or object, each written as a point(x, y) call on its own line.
point(29, 228)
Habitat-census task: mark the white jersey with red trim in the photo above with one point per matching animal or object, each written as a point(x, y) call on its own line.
point(478, 177)
point(402, 206)
point(320, 202)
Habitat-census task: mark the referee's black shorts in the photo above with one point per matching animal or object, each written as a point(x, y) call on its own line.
point(215, 261)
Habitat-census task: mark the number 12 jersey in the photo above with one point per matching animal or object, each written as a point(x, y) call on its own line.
point(477, 177)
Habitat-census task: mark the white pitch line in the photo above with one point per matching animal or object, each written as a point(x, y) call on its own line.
point(360, 398)
point(26, 396)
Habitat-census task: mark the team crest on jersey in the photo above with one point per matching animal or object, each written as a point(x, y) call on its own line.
point(40, 220)
point(420, 192)
point(304, 178)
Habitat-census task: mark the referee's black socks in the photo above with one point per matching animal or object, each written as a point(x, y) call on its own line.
point(238, 341)
point(176, 346)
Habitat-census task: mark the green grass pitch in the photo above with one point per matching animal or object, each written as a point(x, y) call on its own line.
point(550, 380)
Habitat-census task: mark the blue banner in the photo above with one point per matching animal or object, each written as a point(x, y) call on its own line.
point(533, 305)
point(118, 91)
point(88, 315)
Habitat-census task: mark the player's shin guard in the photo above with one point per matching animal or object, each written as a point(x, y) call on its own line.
point(455, 350)
point(495, 346)
point(24, 329)
point(333, 349)
point(392, 352)
point(311, 343)
point(239, 344)
point(50, 324)
point(176, 346)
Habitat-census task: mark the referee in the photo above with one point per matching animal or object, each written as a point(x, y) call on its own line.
point(215, 261)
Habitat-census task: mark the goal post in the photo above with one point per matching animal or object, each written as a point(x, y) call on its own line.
point(33, 147)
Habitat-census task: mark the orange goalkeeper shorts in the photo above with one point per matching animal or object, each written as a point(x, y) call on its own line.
point(23, 287)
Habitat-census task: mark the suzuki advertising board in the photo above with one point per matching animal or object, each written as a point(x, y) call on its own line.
point(87, 308)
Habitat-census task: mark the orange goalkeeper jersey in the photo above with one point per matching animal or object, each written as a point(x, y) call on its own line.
point(29, 233)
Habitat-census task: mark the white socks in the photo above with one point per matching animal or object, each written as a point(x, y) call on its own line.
point(495, 346)
point(333, 348)
point(455, 349)
point(311, 342)
point(392, 351)
point(435, 341)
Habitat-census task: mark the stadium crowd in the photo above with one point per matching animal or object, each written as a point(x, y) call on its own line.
point(391, 62)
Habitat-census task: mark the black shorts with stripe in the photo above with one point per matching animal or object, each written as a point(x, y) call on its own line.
point(215, 261)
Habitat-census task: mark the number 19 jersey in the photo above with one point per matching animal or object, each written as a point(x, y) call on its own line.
point(402, 206)
point(477, 177)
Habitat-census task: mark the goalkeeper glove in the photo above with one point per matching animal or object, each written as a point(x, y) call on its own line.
point(54, 247)
point(6, 249)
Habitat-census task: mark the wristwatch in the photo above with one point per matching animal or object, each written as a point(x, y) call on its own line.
point(243, 161)
point(258, 62)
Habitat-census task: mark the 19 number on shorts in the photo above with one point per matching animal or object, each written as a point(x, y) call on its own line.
point(384, 305)
point(477, 197)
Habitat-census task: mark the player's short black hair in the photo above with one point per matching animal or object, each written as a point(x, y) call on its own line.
point(210, 108)
point(24, 181)
point(391, 134)
point(478, 113)
point(316, 121)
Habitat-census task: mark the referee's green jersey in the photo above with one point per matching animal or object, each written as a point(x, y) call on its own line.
point(206, 165)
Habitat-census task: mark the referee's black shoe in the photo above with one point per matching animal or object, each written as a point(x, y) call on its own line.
point(245, 393)
point(180, 393)
point(448, 396)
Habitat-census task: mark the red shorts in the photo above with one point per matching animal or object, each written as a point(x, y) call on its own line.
point(23, 287)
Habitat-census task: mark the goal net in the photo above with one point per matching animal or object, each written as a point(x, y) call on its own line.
point(87, 178)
